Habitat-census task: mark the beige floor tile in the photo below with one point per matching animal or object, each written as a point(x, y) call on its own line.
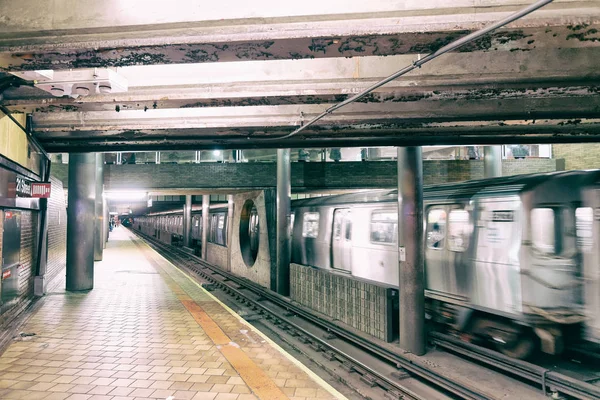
point(132, 337)
point(121, 391)
point(141, 392)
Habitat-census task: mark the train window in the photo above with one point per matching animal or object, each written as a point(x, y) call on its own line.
point(459, 230)
point(292, 218)
point(337, 225)
point(310, 227)
point(436, 228)
point(221, 230)
point(384, 227)
point(348, 233)
point(584, 219)
point(543, 230)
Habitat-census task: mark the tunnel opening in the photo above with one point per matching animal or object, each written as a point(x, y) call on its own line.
point(249, 233)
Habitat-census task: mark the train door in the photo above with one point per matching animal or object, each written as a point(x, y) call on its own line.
point(342, 239)
point(587, 221)
point(435, 248)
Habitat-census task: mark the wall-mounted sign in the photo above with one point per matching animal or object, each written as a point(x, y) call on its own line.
point(23, 187)
point(41, 190)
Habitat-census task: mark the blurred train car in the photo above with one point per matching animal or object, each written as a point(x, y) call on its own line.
point(513, 260)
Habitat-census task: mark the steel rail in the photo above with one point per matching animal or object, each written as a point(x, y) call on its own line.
point(411, 366)
point(418, 63)
point(534, 373)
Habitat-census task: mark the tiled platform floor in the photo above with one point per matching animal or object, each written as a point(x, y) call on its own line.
point(146, 331)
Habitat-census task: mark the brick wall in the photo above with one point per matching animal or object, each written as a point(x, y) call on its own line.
point(304, 175)
point(57, 231)
point(578, 155)
point(370, 308)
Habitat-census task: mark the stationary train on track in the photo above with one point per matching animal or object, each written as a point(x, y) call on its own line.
point(514, 261)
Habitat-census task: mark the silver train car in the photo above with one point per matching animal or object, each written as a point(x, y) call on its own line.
point(170, 224)
point(514, 261)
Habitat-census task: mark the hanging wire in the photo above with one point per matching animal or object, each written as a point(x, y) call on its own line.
point(417, 64)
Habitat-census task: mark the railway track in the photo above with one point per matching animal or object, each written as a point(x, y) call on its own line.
point(255, 297)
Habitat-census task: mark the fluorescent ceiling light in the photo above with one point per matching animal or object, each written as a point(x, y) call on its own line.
point(126, 195)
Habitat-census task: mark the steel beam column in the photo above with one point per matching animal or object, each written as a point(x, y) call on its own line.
point(410, 246)
point(39, 282)
point(187, 221)
point(229, 229)
point(284, 191)
point(492, 161)
point(98, 206)
point(81, 217)
point(205, 211)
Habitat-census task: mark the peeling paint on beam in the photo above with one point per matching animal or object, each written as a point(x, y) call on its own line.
point(64, 56)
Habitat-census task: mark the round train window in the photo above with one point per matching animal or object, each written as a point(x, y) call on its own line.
point(249, 233)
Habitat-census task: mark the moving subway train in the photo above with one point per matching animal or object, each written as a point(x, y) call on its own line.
point(514, 260)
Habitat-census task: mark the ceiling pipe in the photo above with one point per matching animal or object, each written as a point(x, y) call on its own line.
point(417, 64)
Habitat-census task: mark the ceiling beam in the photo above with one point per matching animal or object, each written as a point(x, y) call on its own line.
point(108, 34)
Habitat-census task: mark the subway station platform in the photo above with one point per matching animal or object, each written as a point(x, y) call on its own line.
point(147, 331)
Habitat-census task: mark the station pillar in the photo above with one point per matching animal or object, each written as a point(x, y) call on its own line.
point(492, 161)
point(81, 218)
point(99, 208)
point(284, 193)
point(230, 211)
point(205, 212)
point(410, 250)
point(187, 221)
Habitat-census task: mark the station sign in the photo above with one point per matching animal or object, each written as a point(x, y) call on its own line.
point(41, 189)
point(25, 188)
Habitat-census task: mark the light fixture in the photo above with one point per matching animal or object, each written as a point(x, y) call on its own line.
point(126, 195)
point(104, 89)
point(217, 152)
point(76, 82)
point(82, 91)
point(56, 91)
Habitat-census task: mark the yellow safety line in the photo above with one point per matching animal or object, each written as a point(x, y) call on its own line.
point(287, 355)
point(252, 374)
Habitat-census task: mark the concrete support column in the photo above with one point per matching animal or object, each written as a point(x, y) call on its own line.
point(229, 229)
point(410, 246)
point(81, 217)
point(187, 221)
point(99, 210)
point(284, 192)
point(492, 161)
point(205, 212)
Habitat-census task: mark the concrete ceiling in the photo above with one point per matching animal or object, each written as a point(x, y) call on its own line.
point(231, 76)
